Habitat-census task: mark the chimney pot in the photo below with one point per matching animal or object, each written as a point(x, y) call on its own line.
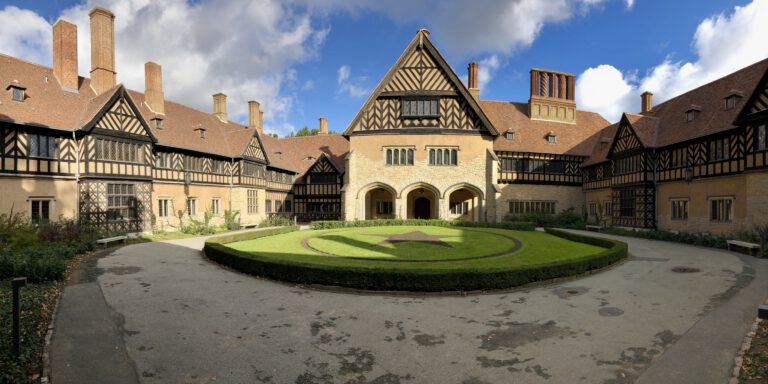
point(322, 126)
point(646, 101)
point(103, 75)
point(153, 87)
point(220, 107)
point(472, 80)
point(65, 54)
point(254, 115)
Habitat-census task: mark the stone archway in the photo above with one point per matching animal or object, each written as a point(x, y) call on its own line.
point(378, 201)
point(422, 203)
point(464, 202)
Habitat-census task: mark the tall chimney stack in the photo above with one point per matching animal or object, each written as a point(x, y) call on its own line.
point(220, 107)
point(65, 54)
point(103, 75)
point(472, 80)
point(646, 101)
point(552, 96)
point(254, 115)
point(322, 126)
point(153, 87)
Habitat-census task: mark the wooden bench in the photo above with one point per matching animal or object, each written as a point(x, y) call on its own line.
point(594, 228)
point(251, 225)
point(108, 240)
point(743, 244)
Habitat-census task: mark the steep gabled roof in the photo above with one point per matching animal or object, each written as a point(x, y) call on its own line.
point(421, 40)
point(530, 135)
point(301, 153)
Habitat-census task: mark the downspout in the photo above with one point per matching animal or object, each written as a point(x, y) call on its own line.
point(77, 178)
point(231, 178)
point(655, 190)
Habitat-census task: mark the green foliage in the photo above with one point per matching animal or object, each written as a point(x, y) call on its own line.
point(333, 224)
point(250, 235)
point(37, 306)
point(703, 239)
point(16, 231)
point(304, 131)
point(565, 219)
point(460, 277)
point(276, 222)
point(230, 219)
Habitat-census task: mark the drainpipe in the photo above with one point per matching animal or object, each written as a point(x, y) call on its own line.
point(77, 178)
point(655, 190)
point(231, 177)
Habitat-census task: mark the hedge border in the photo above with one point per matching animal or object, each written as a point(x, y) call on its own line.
point(410, 280)
point(336, 224)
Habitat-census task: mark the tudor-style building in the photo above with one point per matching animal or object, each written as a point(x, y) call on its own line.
point(423, 145)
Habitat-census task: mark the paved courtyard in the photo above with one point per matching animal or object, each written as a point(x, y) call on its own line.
point(162, 313)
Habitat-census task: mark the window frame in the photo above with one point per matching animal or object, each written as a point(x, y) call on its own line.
point(192, 206)
point(51, 148)
point(407, 104)
point(21, 92)
point(216, 206)
point(399, 156)
point(252, 201)
point(122, 192)
point(522, 207)
point(714, 200)
point(162, 207)
point(624, 209)
point(39, 212)
point(681, 212)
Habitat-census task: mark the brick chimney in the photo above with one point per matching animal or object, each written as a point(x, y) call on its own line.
point(220, 106)
point(472, 80)
point(646, 101)
point(153, 87)
point(552, 96)
point(254, 115)
point(322, 126)
point(103, 75)
point(65, 54)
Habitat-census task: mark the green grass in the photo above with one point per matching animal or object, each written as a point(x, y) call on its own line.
point(279, 254)
point(537, 248)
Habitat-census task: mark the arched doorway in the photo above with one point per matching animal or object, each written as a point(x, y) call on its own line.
point(421, 208)
point(462, 205)
point(422, 203)
point(379, 204)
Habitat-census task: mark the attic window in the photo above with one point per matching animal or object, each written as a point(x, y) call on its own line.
point(509, 135)
point(730, 102)
point(158, 123)
point(202, 132)
point(551, 138)
point(690, 115)
point(17, 93)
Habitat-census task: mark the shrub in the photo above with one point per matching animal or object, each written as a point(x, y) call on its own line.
point(333, 224)
point(16, 231)
point(230, 219)
point(460, 279)
point(63, 230)
point(565, 219)
point(250, 235)
point(276, 222)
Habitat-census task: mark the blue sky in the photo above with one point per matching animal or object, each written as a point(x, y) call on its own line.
point(289, 55)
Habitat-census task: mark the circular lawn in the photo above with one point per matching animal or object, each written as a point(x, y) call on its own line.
point(415, 258)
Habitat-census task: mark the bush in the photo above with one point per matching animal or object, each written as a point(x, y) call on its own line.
point(565, 219)
point(276, 222)
point(243, 236)
point(334, 224)
point(704, 239)
point(460, 279)
point(230, 219)
point(16, 231)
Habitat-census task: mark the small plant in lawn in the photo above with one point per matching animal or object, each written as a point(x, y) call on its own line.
point(230, 219)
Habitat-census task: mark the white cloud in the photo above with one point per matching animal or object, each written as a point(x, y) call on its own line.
point(723, 43)
point(629, 3)
point(26, 35)
point(349, 86)
point(245, 49)
point(486, 70)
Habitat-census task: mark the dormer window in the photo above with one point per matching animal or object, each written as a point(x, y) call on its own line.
point(690, 115)
point(158, 123)
point(551, 138)
point(202, 132)
point(509, 135)
point(730, 102)
point(17, 93)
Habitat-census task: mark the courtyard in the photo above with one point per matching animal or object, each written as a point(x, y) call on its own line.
point(162, 312)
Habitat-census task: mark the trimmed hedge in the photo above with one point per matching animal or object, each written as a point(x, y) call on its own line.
point(42, 263)
point(335, 224)
point(243, 236)
point(460, 279)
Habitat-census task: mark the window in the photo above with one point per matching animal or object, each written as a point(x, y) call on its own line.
point(533, 166)
point(718, 149)
point(268, 206)
point(163, 160)
point(443, 156)
point(287, 206)
point(552, 139)
point(679, 157)
point(399, 156)
point(520, 206)
point(730, 102)
point(119, 151)
point(509, 136)
point(40, 210)
point(194, 163)
point(512, 165)
point(215, 206)
point(627, 203)
point(255, 170)
point(720, 209)
point(158, 123)
point(162, 207)
point(690, 115)
point(17, 94)
point(121, 202)
point(384, 207)
point(593, 209)
point(192, 206)
point(607, 209)
point(459, 208)
point(322, 178)
point(41, 146)
point(420, 108)
point(252, 201)
point(760, 140)
point(323, 208)
point(679, 209)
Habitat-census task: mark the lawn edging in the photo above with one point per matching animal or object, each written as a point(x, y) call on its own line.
point(335, 224)
point(381, 279)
